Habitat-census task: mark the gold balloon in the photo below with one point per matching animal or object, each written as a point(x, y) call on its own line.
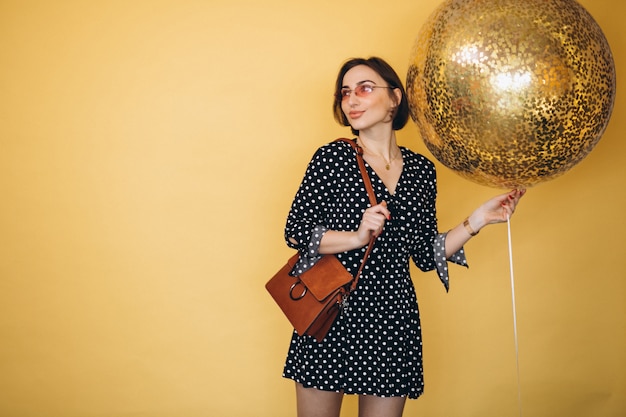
point(510, 93)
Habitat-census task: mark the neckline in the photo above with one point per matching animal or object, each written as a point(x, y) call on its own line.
point(398, 181)
point(387, 162)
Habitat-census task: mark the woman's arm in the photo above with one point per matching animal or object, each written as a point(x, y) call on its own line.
point(496, 210)
point(317, 191)
point(372, 224)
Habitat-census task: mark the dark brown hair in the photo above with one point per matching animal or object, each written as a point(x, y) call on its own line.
point(388, 74)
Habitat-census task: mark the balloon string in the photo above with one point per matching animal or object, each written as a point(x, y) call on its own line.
point(519, 389)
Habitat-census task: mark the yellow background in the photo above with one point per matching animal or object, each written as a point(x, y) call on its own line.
point(149, 151)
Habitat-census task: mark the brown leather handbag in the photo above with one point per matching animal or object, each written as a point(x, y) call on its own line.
point(312, 300)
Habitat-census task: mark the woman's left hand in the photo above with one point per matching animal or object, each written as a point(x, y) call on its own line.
point(499, 208)
point(496, 210)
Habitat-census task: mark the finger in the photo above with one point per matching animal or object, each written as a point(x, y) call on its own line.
point(514, 197)
point(373, 222)
point(374, 228)
point(385, 211)
point(517, 196)
point(507, 207)
point(519, 193)
point(380, 210)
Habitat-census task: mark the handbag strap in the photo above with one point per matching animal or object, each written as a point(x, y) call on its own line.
point(372, 198)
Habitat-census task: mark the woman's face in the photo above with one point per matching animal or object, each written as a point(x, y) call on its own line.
point(367, 100)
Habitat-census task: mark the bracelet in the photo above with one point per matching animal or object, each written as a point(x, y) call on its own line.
point(469, 228)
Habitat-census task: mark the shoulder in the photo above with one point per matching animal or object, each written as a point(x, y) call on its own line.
point(337, 147)
point(335, 152)
point(332, 158)
point(416, 161)
point(420, 172)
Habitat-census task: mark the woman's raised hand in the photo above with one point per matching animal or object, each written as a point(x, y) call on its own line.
point(499, 208)
point(373, 222)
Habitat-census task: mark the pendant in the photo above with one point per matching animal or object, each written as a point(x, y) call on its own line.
point(387, 167)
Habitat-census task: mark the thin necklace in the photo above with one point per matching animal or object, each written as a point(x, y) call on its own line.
point(387, 163)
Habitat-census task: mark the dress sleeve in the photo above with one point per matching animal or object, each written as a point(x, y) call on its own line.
point(307, 219)
point(442, 262)
point(429, 252)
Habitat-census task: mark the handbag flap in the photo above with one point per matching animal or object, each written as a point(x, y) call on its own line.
point(326, 276)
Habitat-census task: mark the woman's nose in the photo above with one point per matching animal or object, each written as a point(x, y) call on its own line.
point(352, 98)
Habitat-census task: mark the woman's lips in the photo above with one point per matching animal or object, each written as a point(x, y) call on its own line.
point(355, 114)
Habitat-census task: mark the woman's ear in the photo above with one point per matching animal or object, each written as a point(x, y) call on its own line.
point(398, 95)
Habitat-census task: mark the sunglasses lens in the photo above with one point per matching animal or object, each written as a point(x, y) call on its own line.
point(360, 91)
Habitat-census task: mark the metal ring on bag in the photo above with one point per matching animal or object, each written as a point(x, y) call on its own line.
point(295, 284)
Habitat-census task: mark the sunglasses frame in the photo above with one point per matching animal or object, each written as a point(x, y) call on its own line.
point(360, 91)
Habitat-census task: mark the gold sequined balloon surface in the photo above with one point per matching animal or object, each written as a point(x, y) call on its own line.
point(510, 93)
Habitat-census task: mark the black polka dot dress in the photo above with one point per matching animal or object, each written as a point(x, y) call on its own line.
point(375, 345)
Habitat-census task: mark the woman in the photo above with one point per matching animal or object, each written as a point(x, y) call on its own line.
point(374, 348)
